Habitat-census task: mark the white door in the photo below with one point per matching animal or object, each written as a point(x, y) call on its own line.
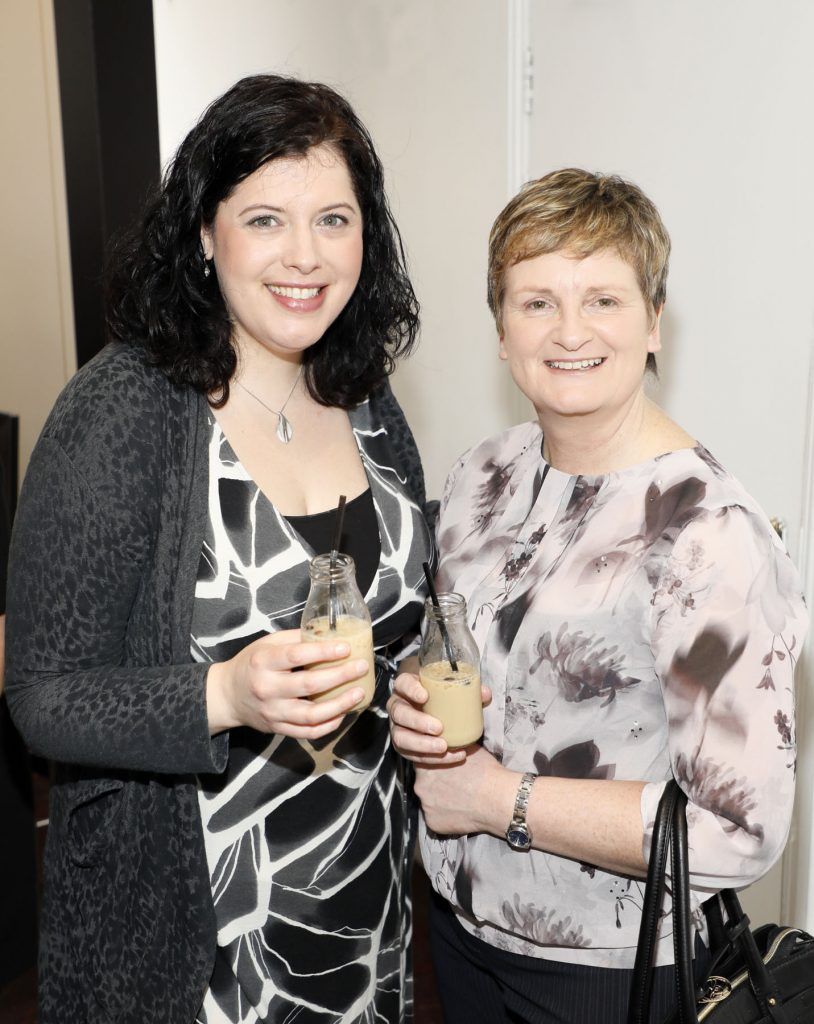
point(708, 107)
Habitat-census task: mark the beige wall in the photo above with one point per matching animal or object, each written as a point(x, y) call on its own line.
point(37, 353)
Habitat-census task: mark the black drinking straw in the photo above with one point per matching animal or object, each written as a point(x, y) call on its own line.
point(441, 624)
point(340, 516)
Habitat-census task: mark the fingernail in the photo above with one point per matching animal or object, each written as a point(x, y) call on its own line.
point(361, 666)
point(434, 729)
point(439, 747)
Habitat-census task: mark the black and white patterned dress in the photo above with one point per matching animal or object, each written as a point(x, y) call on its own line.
point(307, 842)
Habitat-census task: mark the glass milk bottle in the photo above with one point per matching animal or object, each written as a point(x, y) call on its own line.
point(454, 691)
point(335, 610)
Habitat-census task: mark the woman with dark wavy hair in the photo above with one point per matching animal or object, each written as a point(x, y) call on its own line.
point(223, 849)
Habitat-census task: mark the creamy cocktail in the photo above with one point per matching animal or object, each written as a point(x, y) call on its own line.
point(359, 635)
point(455, 699)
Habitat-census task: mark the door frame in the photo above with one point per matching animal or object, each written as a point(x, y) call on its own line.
point(797, 888)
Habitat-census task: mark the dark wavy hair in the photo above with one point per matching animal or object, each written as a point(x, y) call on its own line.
point(159, 297)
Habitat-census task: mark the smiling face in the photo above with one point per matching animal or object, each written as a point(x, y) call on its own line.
point(287, 250)
point(576, 334)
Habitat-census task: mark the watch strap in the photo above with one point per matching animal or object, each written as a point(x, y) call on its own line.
point(521, 801)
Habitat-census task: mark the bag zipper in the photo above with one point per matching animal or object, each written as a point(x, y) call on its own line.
point(744, 975)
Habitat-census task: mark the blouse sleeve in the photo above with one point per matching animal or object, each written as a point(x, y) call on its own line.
point(728, 622)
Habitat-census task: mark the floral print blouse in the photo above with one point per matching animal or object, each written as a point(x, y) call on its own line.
point(631, 626)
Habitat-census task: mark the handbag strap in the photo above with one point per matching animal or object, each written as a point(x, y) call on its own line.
point(682, 921)
point(642, 983)
point(764, 987)
point(715, 923)
point(669, 833)
point(737, 929)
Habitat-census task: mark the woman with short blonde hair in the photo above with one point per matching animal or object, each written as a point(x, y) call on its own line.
point(637, 619)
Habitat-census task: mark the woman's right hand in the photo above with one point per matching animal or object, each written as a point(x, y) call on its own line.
point(415, 734)
point(258, 687)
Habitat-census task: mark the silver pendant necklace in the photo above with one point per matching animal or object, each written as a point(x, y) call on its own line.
point(284, 429)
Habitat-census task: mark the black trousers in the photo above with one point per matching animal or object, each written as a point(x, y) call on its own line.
point(480, 984)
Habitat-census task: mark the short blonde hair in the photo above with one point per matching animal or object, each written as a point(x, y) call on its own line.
point(582, 213)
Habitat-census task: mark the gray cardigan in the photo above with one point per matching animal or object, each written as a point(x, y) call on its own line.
point(102, 573)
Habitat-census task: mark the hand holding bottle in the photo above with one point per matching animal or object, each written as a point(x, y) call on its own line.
point(268, 686)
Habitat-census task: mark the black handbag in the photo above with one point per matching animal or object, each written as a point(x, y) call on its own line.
point(760, 977)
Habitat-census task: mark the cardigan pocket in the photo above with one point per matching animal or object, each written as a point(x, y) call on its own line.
point(93, 808)
point(111, 846)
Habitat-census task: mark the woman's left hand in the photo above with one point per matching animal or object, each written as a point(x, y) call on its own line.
point(475, 795)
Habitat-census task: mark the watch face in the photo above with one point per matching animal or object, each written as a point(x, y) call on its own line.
point(517, 836)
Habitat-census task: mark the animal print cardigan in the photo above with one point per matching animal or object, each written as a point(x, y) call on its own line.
point(102, 575)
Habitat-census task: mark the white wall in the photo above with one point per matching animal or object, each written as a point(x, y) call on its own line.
point(708, 107)
point(37, 354)
point(429, 79)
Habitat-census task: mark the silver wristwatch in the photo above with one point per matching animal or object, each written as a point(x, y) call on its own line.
point(518, 834)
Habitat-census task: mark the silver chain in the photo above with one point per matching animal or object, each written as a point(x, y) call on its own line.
point(284, 429)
